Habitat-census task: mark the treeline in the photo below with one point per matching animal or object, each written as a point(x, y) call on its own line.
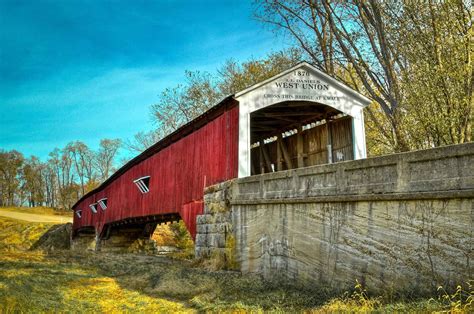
point(58, 182)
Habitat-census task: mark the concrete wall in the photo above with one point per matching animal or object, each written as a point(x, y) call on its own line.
point(402, 222)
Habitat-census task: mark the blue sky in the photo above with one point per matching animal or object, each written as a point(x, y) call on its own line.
point(86, 70)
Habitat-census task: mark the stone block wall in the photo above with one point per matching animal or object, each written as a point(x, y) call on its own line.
point(215, 233)
point(403, 222)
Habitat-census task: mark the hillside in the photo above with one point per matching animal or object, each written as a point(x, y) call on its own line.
point(64, 280)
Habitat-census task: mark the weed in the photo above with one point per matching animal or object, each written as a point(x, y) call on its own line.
point(357, 301)
point(462, 299)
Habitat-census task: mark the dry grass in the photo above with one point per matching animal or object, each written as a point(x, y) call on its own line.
point(40, 210)
point(68, 281)
point(36, 282)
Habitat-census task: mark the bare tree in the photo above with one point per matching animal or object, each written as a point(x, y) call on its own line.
point(33, 184)
point(360, 43)
point(104, 159)
point(183, 103)
point(143, 140)
point(61, 162)
point(83, 159)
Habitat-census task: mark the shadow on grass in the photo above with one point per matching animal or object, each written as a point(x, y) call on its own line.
point(35, 282)
point(162, 277)
point(32, 282)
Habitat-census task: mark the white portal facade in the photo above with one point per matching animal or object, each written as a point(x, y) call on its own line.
point(300, 83)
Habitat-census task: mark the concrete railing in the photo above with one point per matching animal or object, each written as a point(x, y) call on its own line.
point(439, 172)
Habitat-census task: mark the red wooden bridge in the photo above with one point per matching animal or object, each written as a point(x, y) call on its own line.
point(298, 118)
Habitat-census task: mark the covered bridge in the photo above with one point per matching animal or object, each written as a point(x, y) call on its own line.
point(298, 118)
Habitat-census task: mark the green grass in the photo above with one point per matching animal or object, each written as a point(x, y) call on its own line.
point(69, 281)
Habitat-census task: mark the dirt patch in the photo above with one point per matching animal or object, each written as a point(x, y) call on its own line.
point(26, 216)
point(58, 237)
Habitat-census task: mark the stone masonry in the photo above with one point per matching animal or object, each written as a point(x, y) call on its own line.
point(215, 234)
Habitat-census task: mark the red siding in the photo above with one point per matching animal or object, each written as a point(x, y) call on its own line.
point(178, 174)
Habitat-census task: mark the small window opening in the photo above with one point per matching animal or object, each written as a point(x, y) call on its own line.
point(143, 184)
point(93, 208)
point(79, 213)
point(103, 203)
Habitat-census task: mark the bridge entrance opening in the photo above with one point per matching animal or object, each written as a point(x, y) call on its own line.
point(298, 134)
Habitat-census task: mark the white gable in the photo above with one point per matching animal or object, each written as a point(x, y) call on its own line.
point(303, 82)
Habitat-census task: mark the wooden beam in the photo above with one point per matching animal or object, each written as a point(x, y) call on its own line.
point(300, 146)
point(329, 141)
point(267, 122)
point(292, 113)
point(266, 157)
point(279, 116)
point(286, 156)
point(252, 165)
point(262, 162)
point(261, 128)
point(279, 158)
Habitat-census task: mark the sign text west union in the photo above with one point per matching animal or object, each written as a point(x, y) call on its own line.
point(316, 85)
point(302, 82)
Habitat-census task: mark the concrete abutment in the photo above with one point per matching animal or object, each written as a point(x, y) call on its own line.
point(402, 222)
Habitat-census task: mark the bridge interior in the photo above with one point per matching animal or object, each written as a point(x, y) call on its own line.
point(295, 134)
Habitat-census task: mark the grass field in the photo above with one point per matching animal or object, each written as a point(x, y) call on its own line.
point(39, 210)
point(68, 281)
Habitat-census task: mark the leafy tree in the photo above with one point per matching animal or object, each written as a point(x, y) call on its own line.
point(234, 77)
point(68, 174)
point(10, 169)
point(435, 40)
